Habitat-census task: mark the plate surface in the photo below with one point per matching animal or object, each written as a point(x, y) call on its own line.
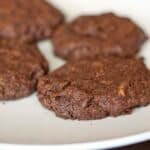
point(26, 124)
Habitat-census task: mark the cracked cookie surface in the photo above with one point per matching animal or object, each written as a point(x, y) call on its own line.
point(21, 65)
point(95, 89)
point(92, 36)
point(28, 20)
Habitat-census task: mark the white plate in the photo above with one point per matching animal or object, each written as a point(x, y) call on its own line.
point(25, 124)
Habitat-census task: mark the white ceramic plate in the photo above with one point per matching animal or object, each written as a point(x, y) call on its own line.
point(25, 124)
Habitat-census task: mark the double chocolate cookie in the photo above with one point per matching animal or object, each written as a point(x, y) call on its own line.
point(95, 89)
point(21, 65)
point(28, 20)
point(92, 36)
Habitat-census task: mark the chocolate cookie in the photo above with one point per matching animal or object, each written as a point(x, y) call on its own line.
point(28, 20)
point(95, 89)
point(21, 65)
point(92, 36)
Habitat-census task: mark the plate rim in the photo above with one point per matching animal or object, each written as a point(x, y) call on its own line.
point(110, 143)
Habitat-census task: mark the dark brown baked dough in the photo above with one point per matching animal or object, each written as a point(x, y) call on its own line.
point(21, 65)
point(95, 89)
point(28, 20)
point(92, 36)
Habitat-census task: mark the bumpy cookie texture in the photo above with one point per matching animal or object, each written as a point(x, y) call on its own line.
point(95, 89)
point(21, 65)
point(28, 20)
point(91, 36)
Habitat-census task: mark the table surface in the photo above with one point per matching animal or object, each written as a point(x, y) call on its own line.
point(141, 146)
